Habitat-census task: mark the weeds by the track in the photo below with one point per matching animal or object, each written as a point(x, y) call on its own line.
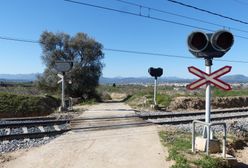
point(179, 149)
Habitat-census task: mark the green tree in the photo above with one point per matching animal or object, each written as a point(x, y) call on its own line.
point(86, 54)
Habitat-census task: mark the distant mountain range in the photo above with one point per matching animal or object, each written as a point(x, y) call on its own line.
point(235, 78)
point(124, 80)
point(145, 80)
point(142, 80)
point(18, 77)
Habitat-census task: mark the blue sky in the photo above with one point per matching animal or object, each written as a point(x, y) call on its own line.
point(27, 19)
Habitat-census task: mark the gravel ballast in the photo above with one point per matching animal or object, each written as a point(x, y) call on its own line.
point(238, 127)
point(10, 146)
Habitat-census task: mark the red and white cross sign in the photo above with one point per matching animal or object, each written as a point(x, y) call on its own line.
point(212, 78)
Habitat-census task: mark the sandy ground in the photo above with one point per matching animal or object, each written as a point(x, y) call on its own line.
point(134, 147)
point(242, 156)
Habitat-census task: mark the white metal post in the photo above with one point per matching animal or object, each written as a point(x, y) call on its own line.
point(63, 93)
point(208, 97)
point(208, 63)
point(155, 92)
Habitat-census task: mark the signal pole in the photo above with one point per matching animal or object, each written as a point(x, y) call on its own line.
point(208, 64)
point(63, 91)
point(155, 72)
point(62, 67)
point(155, 91)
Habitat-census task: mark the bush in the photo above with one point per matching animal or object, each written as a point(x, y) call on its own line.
point(163, 100)
point(12, 105)
point(179, 145)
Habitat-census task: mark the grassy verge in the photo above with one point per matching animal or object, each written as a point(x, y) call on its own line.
point(235, 92)
point(179, 148)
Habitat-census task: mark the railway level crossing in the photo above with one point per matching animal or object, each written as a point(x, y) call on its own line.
point(209, 46)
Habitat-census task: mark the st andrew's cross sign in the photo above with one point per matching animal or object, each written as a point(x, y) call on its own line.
point(212, 78)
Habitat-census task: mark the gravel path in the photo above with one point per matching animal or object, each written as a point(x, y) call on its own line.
point(133, 147)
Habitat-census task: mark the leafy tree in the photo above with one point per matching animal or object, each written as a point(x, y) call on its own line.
point(86, 54)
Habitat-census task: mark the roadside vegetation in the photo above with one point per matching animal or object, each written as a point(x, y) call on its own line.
point(179, 149)
point(171, 97)
point(16, 105)
point(137, 96)
point(234, 92)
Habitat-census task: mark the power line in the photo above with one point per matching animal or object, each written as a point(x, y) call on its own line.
point(17, 39)
point(148, 53)
point(126, 51)
point(207, 11)
point(178, 15)
point(136, 14)
point(168, 55)
point(145, 16)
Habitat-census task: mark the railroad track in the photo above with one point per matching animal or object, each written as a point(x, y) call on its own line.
point(19, 119)
point(144, 119)
point(187, 117)
point(104, 123)
point(31, 128)
point(155, 115)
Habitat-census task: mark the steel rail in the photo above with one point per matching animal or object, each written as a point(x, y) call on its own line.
point(179, 114)
point(27, 118)
point(31, 135)
point(146, 115)
point(113, 126)
point(185, 121)
point(36, 123)
point(106, 118)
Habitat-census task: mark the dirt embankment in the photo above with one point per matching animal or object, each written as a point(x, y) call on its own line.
point(196, 103)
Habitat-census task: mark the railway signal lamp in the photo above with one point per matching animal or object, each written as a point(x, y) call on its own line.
point(155, 72)
point(210, 45)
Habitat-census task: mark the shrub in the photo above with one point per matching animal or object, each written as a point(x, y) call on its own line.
point(163, 100)
point(12, 105)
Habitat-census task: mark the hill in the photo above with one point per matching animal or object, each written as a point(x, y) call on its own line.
point(125, 80)
point(18, 77)
point(236, 78)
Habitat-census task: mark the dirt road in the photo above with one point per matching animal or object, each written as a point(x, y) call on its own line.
point(132, 147)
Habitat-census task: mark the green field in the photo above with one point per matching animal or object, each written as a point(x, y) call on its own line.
point(142, 96)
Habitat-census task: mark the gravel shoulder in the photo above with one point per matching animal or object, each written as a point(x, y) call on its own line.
point(133, 147)
point(242, 156)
